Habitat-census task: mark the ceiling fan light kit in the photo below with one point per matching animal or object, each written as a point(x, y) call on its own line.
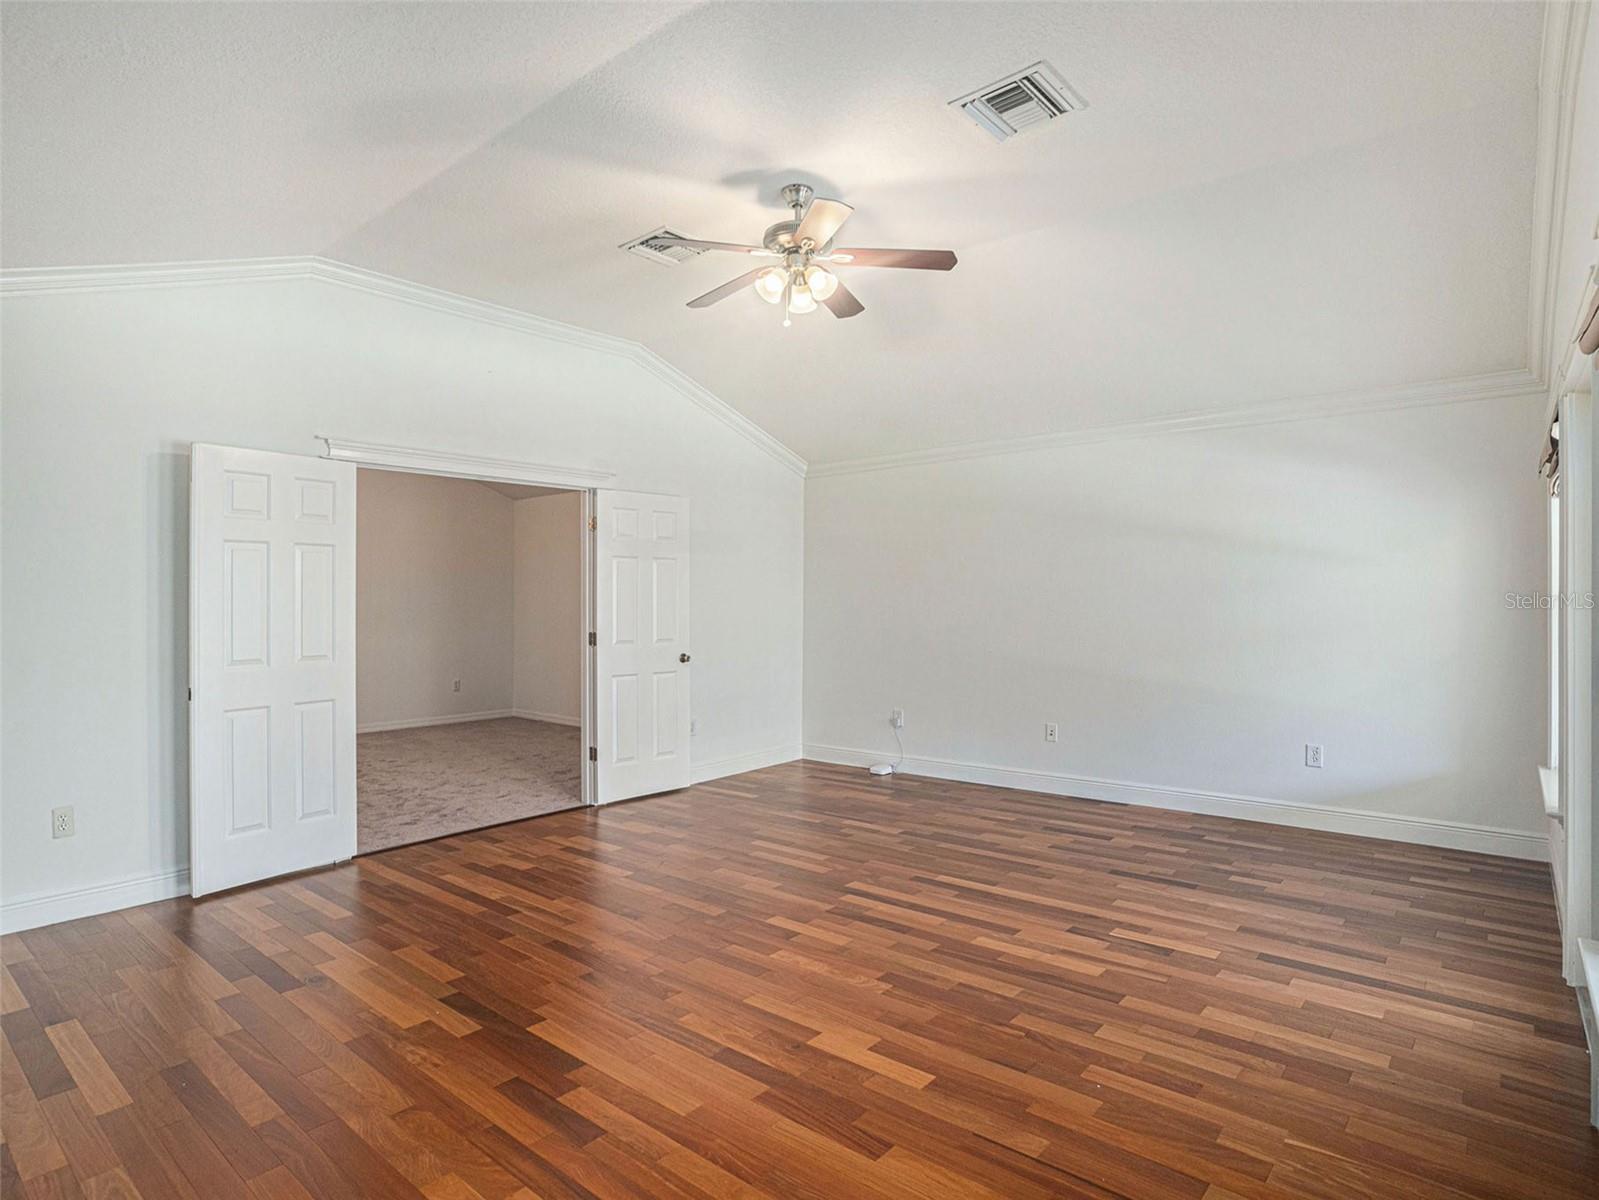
point(802, 281)
point(822, 283)
point(771, 283)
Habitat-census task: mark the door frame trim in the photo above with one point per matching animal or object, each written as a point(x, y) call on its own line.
point(463, 466)
point(582, 480)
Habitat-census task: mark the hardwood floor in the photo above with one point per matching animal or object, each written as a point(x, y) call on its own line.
point(804, 983)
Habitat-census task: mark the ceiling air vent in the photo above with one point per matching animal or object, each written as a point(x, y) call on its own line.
point(1019, 102)
point(650, 247)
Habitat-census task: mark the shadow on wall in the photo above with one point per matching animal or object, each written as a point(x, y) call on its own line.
point(167, 594)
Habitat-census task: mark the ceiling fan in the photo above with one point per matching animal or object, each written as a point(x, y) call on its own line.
point(805, 245)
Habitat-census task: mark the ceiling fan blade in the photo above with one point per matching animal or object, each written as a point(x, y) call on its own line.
point(823, 220)
point(726, 290)
point(842, 303)
point(916, 260)
point(697, 244)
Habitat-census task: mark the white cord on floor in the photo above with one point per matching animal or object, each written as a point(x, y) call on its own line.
point(882, 769)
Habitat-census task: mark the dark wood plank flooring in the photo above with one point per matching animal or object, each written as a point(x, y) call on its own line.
point(801, 983)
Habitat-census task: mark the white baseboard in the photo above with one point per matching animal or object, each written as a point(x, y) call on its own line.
point(423, 722)
point(721, 768)
point(31, 912)
point(528, 714)
point(48, 908)
point(1453, 835)
point(1587, 989)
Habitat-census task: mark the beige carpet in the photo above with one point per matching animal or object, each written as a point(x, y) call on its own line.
point(415, 784)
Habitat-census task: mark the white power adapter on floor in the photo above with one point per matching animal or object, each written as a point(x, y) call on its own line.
point(896, 722)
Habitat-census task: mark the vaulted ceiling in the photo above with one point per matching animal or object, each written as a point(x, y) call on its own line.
point(1262, 201)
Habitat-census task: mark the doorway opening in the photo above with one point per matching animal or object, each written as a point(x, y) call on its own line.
point(470, 654)
point(275, 703)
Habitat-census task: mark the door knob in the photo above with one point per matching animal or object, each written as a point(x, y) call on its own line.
point(682, 658)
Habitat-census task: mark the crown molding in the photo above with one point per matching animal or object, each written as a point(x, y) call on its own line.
point(53, 281)
point(1565, 26)
point(487, 313)
point(482, 312)
point(46, 281)
point(718, 408)
point(1518, 384)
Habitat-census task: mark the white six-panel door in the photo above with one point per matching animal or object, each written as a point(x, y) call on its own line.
point(641, 644)
point(271, 665)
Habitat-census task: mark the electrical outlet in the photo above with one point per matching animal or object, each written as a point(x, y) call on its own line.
point(456, 686)
point(1051, 732)
point(897, 718)
point(62, 823)
point(1312, 755)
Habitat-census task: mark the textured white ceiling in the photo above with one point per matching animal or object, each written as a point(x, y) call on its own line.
point(1262, 200)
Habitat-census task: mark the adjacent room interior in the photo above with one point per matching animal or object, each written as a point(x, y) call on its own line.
point(920, 600)
point(470, 643)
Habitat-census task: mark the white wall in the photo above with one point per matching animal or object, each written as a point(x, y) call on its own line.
point(434, 599)
point(105, 389)
point(549, 607)
point(1192, 609)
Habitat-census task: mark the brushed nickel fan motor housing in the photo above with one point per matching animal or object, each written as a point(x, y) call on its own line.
point(779, 239)
point(797, 196)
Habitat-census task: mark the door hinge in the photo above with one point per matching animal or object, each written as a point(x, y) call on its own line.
point(594, 524)
point(594, 754)
point(191, 695)
point(592, 640)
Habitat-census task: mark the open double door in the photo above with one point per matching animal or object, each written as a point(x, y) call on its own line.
point(272, 779)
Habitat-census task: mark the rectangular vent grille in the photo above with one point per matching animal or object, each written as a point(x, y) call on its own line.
point(1031, 97)
point(649, 247)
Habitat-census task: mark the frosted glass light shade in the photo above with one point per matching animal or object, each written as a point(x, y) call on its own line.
point(821, 283)
point(769, 284)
